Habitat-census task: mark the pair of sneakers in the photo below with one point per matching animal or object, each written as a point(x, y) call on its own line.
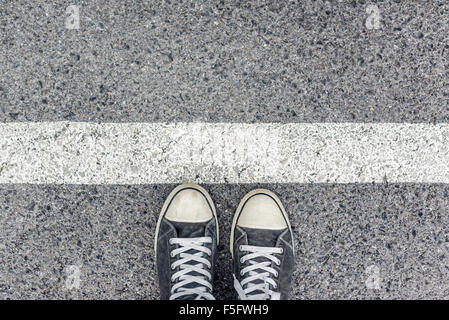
point(186, 245)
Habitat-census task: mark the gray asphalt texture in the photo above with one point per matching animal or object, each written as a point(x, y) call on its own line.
point(340, 230)
point(269, 61)
point(304, 61)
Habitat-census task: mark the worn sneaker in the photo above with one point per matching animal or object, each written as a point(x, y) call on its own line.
point(185, 244)
point(262, 248)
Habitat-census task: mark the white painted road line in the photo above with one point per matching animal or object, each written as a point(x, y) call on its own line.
point(140, 153)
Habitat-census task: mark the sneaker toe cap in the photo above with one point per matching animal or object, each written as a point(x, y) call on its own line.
point(189, 205)
point(262, 212)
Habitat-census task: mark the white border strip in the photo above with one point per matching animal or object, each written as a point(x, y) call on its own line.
point(141, 153)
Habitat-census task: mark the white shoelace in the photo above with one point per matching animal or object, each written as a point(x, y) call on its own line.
point(187, 271)
point(260, 274)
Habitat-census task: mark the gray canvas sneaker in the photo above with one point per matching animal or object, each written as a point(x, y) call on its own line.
point(185, 244)
point(262, 248)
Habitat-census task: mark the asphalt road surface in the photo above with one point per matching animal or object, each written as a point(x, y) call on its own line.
point(282, 62)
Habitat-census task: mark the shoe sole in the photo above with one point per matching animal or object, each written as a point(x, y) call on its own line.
point(170, 197)
point(239, 209)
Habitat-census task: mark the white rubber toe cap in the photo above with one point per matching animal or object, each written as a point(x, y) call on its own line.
point(262, 212)
point(189, 205)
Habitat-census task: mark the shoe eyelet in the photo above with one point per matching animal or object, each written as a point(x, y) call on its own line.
point(241, 260)
point(173, 267)
point(278, 263)
point(172, 254)
point(170, 241)
point(276, 274)
point(282, 251)
point(240, 248)
point(241, 273)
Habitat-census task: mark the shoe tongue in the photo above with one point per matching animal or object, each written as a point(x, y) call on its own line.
point(262, 237)
point(189, 229)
